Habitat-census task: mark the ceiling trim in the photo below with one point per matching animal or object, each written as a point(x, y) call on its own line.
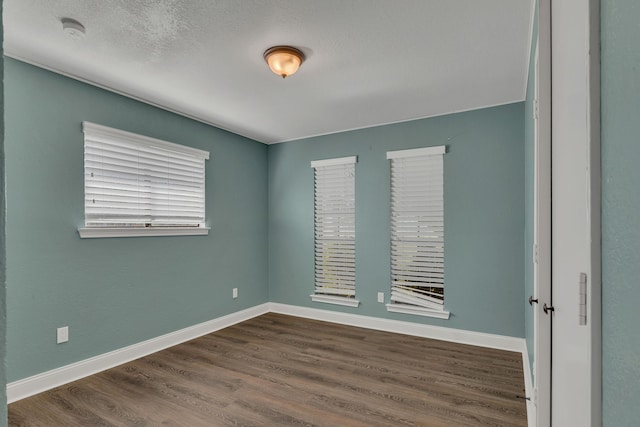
point(206, 122)
point(122, 93)
point(464, 110)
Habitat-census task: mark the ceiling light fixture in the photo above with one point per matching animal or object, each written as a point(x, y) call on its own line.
point(284, 60)
point(72, 28)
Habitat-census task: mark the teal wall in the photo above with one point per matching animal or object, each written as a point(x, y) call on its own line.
point(484, 216)
point(529, 154)
point(3, 283)
point(116, 292)
point(620, 207)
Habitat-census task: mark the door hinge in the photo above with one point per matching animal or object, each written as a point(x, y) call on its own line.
point(582, 299)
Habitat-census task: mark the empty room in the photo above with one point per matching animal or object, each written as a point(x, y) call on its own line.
point(329, 213)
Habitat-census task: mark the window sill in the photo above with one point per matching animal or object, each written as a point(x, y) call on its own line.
point(100, 232)
point(418, 311)
point(349, 302)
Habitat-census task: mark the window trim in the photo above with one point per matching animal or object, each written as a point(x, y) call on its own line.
point(418, 311)
point(415, 152)
point(96, 130)
point(325, 298)
point(98, 232)
point(134, 138)
point(440, 313)
point(330, 299)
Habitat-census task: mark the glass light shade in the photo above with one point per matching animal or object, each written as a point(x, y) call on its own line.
point(284, 60)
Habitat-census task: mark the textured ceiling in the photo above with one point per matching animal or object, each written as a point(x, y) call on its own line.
point(369, 62)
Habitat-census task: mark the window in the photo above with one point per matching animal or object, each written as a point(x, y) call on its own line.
point(139, 186)
point(417, 232)
point(335, 233)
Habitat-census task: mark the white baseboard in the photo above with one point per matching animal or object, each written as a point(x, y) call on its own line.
point(481, 339)
point(47, 380)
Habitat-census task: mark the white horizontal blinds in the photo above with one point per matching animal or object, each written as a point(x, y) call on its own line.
point(334, 206)
point(417, 227)
point(135, 181)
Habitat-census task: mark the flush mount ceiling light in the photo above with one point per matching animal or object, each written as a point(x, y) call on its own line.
point(283, 60)
point(72, 28)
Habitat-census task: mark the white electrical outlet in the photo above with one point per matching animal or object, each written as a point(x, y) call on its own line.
point(235, 292)
point(63, 334)
point(380, 296)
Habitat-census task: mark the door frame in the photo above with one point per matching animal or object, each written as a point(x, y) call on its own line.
point(542, 217)
point(575, 42)
point(542, 369)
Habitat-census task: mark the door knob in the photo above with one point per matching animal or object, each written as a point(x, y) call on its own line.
point(546, 308)
point(531, 300)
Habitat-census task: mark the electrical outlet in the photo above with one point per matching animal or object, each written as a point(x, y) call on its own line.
point(381, 297)
point(63, 334)
point(235, 292)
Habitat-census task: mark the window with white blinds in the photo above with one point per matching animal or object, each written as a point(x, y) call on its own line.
point(335, 233)
point(417, 231)
point(136, 185)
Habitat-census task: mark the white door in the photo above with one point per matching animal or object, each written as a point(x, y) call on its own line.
point(575, 360)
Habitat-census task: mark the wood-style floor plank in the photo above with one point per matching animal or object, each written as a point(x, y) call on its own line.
point(277, 370)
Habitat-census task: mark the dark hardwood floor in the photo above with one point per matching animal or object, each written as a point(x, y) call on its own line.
point(277, 370)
